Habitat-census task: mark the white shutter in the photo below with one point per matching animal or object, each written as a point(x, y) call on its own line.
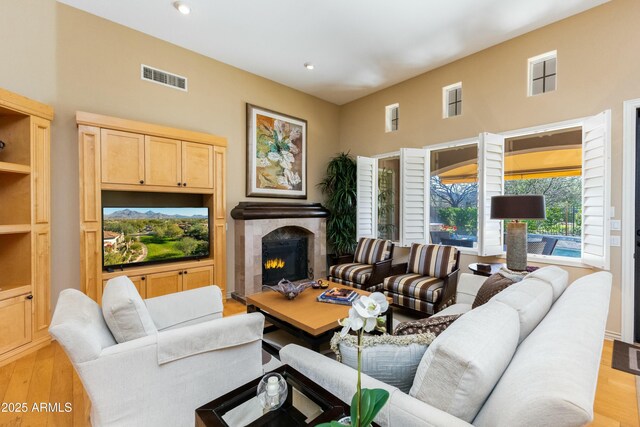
point(367, 208)
point(414, 196)
point(596, 189)
point(490, 183)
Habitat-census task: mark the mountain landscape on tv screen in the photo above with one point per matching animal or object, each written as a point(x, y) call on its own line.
point(134, 236)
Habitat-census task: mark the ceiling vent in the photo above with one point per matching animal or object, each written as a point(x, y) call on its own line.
point(164, 78)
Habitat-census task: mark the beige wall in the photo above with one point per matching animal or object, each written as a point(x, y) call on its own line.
point(598, 68)
point(93, 65)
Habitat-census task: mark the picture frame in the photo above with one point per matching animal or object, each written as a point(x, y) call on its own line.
point(276, 154)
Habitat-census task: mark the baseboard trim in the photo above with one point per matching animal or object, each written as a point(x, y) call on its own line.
point(21, 351)
point(608, 335)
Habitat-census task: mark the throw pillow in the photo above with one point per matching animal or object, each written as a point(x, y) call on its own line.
point(436, 325)
point(388, 358)
point(495, 284)
point(125, 312)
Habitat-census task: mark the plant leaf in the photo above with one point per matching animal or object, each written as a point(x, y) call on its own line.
point(377, 399)
point(354, 405)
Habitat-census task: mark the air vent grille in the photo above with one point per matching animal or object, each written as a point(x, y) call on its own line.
point(164, 78)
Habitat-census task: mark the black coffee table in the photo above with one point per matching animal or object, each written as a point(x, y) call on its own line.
point(311, 405)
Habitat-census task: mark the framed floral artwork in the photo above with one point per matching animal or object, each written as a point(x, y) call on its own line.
point(276, 154)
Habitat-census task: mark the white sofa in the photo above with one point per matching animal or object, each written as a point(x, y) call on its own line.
point(189, 356)
point(532, 358)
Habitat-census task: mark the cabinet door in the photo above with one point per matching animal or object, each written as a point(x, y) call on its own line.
point(122, 157)
point(197, 165)
point(41, 169)
point(162, 161)
point(163, 283)
point(15, 322)
point(140, 282)
point(197, 278)
point(41, 281)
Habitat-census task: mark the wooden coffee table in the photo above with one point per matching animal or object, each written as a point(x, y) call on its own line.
point(304, 317)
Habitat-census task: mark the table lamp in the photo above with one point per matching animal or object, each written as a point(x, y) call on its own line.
point(517, 208)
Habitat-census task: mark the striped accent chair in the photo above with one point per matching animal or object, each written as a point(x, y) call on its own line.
point(370, 264)
point(427, 282)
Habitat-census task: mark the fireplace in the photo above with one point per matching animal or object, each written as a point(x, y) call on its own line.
point(284, 259)
point(258, 225)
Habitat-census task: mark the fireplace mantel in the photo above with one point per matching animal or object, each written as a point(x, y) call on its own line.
point(263, 210)
point(255, 220)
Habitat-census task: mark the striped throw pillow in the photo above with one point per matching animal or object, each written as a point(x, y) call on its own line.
point(432, 260)
point(370, 251)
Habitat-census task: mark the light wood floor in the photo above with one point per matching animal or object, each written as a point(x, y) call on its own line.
point(47, 376)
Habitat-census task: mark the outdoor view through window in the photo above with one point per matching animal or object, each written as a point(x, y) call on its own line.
point(549, 164)
point(389, 198)
point(454, 196)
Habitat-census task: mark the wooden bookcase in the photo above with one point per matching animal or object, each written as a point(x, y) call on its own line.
point(25, 295)
point(128, 160)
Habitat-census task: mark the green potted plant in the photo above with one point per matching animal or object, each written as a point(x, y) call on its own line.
point(340, 189)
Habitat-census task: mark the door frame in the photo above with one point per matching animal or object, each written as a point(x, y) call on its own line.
point(630, 108)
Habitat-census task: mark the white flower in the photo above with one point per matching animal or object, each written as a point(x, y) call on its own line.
point(263, 162)
point(295, 134)
point(282, 180)
point(273, 156)
point(370, 308)
point(353, 322)
point(279, 127)
point(285, 164)
point(293, 148)
point(288, 157)
point(293, 177)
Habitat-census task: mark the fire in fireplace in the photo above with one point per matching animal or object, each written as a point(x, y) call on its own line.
point(284, 259)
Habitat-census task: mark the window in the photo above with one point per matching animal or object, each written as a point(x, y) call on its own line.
point(542, 73)
point(551, 165)
point(454, 196)
point(389, 198)
point(452, 100)
point(392, 115)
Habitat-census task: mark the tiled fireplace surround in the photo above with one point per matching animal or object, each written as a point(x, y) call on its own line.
point(253, 221)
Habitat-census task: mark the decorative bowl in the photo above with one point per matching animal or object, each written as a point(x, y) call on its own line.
point(287, 288)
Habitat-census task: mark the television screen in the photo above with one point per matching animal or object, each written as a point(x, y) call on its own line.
point(133, 236)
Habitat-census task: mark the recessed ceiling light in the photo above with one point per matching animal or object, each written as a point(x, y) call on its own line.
point(308, 66)
point(183, 8)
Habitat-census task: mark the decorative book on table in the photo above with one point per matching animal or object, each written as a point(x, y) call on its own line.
point(338, 296)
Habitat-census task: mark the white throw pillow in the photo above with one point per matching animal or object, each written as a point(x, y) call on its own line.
point(125, 312)
point(532, 299)
point(461, 366)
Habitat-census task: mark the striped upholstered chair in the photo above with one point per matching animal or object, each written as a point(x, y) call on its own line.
point(370, 264)
point(427, 283)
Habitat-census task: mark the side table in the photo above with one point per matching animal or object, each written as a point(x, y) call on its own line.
point(307, 404)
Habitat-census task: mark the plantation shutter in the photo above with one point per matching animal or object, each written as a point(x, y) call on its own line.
point(367, 208)
point(596, 189)
point(490, 183)
point(414, 196)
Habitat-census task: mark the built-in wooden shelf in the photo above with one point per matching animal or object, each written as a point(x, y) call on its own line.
point(14, 168)
point(14, 290)
point(15, 228)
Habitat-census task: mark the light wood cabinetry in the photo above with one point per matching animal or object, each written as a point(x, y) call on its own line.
point(15, 323)
point(122, 157)
point(119, 156)
point(197, 165)
point(197, 277)
point(165, 279)
point(25, 192)
point(162, 161)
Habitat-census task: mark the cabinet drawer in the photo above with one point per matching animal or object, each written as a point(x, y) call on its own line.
point(15, 322)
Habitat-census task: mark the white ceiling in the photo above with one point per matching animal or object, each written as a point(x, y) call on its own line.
point(357, 46)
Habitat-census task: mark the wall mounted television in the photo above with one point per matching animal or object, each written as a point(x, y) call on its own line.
point(135, 236)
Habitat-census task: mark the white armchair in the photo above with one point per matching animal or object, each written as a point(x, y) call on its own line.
point(159, 379)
